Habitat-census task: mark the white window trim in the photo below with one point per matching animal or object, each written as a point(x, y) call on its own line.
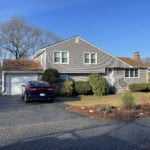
point(147, 76)
point(90, 58)
point(133, 72)
point(60, 57)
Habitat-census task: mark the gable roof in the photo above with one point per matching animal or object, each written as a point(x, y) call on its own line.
point(125, 60)
point(21, 65)
point(37, 53)
point(132, 62)
point(44, 49)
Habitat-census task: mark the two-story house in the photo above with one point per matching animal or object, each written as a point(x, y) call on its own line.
point(75, 59)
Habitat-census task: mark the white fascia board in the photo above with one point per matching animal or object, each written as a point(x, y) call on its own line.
point(39, 52)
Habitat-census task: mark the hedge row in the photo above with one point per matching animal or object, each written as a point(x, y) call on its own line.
point(69, 88)
point(96, 85)
point(82, 88)
point(140, 87)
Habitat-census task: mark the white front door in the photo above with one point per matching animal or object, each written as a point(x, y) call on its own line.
point(17, 80)
point(111, 76)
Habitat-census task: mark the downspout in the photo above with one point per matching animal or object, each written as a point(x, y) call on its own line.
point(3, 78)
point(3, 83)
point(45, 60)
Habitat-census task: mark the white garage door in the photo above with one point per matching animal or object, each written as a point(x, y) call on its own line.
point(20, 79)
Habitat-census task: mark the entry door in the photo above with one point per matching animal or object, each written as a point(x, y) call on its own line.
point(111, 76)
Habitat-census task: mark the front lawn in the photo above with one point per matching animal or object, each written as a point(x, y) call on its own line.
point(112, 100)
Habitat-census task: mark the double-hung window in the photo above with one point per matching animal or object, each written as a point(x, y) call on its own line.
point(65, 57)
point(90, 58)
point(131, 73)
point(57, 57)
point(87, 58)
point(61, 57)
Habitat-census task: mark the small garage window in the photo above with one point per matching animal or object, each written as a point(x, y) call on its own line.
point(64, 77)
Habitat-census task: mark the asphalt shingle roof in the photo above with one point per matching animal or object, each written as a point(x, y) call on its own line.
point(21, 65)
point(132, 62)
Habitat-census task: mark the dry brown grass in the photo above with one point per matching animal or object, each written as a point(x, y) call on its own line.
point(113, 100)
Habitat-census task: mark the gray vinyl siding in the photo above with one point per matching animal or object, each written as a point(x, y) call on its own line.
point(120, 73)
point(76, 58)
point(122, 83)
point(77, 76)
point(42, 59)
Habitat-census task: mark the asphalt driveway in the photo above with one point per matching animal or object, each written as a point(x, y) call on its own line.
point(45, 126)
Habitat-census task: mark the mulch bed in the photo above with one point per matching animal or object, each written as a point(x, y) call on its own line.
point(111, 113)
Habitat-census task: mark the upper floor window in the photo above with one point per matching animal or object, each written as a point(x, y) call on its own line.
point(90, 58)
point(61, 57)
point(131, 73)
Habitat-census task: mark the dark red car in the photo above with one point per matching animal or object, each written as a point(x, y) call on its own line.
point(38, 91)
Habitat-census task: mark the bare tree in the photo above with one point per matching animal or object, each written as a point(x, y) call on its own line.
point(21, 40)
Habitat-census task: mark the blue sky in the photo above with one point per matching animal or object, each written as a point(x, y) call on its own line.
point(119, 26)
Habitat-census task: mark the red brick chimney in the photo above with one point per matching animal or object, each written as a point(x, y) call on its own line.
point(137, 56)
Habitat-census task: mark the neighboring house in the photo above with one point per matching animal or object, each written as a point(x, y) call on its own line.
point(16, 73)
point(76, 59)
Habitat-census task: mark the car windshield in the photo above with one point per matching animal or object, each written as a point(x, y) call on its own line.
point(39, 84)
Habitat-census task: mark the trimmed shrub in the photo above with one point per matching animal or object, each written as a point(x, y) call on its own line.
point(140, 87)
point(99, 84)
point(128, 100)
point(51, 76)
point(82, 88)
point(67, 88)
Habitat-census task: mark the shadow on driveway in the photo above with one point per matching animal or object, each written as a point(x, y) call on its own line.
point(74, 140)
point(10, 102)
point(91, 143)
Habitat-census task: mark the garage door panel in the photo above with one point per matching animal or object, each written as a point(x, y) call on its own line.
point(17, 80)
